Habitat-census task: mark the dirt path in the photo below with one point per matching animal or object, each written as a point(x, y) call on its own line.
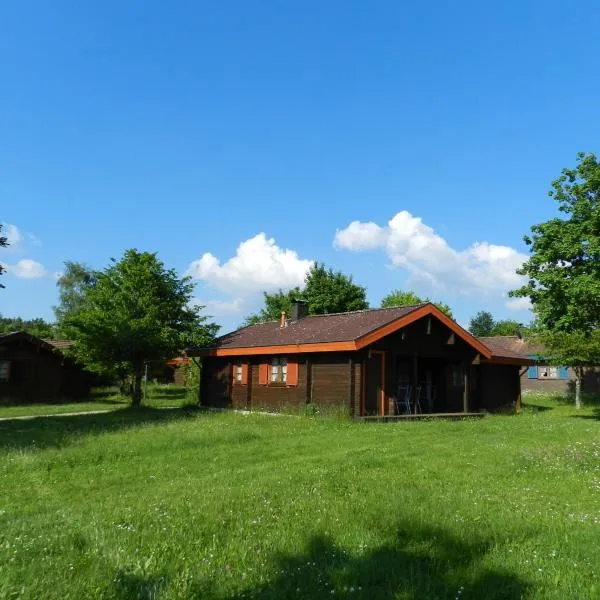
point(69, 414)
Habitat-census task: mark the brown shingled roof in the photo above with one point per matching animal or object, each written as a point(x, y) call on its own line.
point(316, 329)
point(337, 332)
point(509, 346)
point(59, 344)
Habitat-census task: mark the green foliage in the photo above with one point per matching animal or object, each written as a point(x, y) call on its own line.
point(275, 304)
point(175, 504)
point(136, 311)
point(508, 327)
point(482, 324)
point(409, 298)
point(563, 270)
point(37, 327)
point(325, 290)
point(72, 285)
point(329, 291)
point(192, 381)
point(3, 244)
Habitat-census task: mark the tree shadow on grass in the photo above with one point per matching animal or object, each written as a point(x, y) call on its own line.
point(595, 416)
point(532, 407)
point(421, 563)
point(127, 585)
point(58, 431)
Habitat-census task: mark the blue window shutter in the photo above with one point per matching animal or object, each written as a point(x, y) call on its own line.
point(564, 373)
point(532, 371)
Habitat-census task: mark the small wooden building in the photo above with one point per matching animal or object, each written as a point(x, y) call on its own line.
point(36, 370)
point(386, 362)
point(544, 376)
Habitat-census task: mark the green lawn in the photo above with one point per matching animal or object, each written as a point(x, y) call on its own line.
point(158, 396)
point(176, 503)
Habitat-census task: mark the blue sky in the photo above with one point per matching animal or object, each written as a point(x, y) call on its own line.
point(409, 144)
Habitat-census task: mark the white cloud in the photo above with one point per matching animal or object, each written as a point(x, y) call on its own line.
point(26, 269)
point(259, 264)
point(360, 236)
point(12, 234)
point(430, 260)
point(518, 304)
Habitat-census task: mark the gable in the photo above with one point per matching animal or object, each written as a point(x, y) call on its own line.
point(333, 333)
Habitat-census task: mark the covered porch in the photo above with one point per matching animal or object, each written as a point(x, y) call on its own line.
point(426, 369)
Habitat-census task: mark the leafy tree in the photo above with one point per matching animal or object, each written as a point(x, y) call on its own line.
point(329, 291)
point(409, 298)
point(36, 327)
point(275, 304)
point(507, 327)
point(3, 244)
point(136, 311)
point(482, 324)
point(563, 269)
point(72, 285)
point(325, 290)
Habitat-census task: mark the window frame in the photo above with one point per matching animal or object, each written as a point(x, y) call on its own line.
point(552, 372)
point(457, 370)
point(7, 365)
point(278, 365)
point(238, 372)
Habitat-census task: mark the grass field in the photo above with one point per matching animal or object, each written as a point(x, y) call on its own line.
point(158, 396)
point(175, 503)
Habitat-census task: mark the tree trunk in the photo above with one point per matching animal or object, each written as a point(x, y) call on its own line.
point(136, 396)
point(578, 378)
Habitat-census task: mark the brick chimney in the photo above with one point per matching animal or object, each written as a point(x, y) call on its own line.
point(299, 309)
point(282, 321)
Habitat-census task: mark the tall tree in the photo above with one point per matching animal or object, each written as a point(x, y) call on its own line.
point(328, 291)
point(275, 304)
point(72, 285)
point(3, 244)
point(482, 324)
point(563, 269)
point(507, 327)
point(325, 290)
point(409, 298)
point(136, 311)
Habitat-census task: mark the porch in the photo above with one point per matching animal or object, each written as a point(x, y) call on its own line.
point(422, 416)
point(401, 386)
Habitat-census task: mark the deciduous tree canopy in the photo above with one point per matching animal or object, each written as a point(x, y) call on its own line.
point(563, 270)
point(136, 311)
point(409, 298)
point(326, 291)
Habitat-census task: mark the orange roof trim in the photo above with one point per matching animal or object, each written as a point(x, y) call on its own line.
point(361, 342)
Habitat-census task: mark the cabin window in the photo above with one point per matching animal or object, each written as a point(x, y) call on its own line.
point(458, 378)
point(237, 372)
point(549, 372)
point(4, 370)
point(278, 370)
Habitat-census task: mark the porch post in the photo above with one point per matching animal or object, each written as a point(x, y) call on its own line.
point(466, 389)
point(415, 379)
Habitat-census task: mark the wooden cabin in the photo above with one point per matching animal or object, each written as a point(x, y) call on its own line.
point(545, 377)
point(389, 362)
point(36, 370)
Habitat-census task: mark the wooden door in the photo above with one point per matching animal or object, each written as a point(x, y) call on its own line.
point(375, 397)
